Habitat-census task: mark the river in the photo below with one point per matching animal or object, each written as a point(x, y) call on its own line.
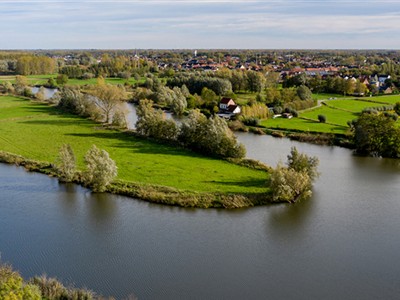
point(342, 243)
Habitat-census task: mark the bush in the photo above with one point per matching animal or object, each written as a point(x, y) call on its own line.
point(13, 287)
point(251, 121)
point(322, 118)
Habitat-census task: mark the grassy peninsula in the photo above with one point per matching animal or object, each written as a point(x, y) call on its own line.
point(148, 170)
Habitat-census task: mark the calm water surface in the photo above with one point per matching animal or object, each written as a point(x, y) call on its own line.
point(343, 243)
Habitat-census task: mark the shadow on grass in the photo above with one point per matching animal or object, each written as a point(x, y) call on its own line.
point(119, 139)
point(62, 121)
point(136, 144)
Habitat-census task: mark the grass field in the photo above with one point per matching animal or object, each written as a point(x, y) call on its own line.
point(337, 112)
point(325, 96)
point(42, 79)
point(36, 131)
point(332, 115)
point(356, 105)
point(302, 125)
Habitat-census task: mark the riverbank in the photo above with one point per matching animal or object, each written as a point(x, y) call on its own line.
point(159, 173)
point(151, 193)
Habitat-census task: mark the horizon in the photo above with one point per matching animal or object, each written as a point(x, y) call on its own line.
point(186, 24)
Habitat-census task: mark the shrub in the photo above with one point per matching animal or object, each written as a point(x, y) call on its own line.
point(322, 118)
point(13, 287)
point(396, 108)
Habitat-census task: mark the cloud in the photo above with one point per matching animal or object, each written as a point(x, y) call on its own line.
point(200, 24)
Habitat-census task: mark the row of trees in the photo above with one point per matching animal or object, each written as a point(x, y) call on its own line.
point(210, 136)
point(335, 85)
point(102, 102)
point(35, 65)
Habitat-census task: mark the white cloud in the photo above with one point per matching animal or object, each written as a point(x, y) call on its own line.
point(200, 24)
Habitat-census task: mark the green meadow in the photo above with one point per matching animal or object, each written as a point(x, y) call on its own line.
point(305, 125)
point(337, 112)
point(37, 131)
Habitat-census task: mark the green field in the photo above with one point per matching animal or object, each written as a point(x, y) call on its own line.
point(42, 80)
point(355, 106)
point(36, 131)
point(390, 99)
point(337, 112)
point(325, 96)
point(334, 116)
point(302, 125)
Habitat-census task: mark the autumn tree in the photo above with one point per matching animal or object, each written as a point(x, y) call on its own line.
point(108, 97)
point(21, 83)
point(62, 79)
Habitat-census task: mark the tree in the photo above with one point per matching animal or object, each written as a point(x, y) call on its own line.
point(100, 169)
point(153, 123)
point(376, 135)
point(107, 98)
point(304, 92)
point(40, 95)
point(349, 87)
point(295, 181)
point(8, 87)
point(256, 81)
point(210, 136)
point(301, 162)
point(360, 88)
point(21, 82)
point(66, 163)
point(179, 103)
point(288, 185)
point(62, 79)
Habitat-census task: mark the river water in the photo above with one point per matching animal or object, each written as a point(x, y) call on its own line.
point(342, 243)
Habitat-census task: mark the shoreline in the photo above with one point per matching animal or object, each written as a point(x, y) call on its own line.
point(153, 193)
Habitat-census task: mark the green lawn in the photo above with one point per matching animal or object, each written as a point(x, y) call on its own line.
point(325, 96)
point(302, 125)
point(36, 131)
point(337, 112)
point(355, 106)
point(389, 99)
point(332, 115)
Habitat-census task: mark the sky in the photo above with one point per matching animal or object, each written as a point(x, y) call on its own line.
point(201, 24)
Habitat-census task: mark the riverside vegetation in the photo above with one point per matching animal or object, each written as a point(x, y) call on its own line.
point(151, 171)
point(13, 287)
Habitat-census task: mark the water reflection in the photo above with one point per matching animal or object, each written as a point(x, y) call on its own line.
point(290, 217)
point(101, 208)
